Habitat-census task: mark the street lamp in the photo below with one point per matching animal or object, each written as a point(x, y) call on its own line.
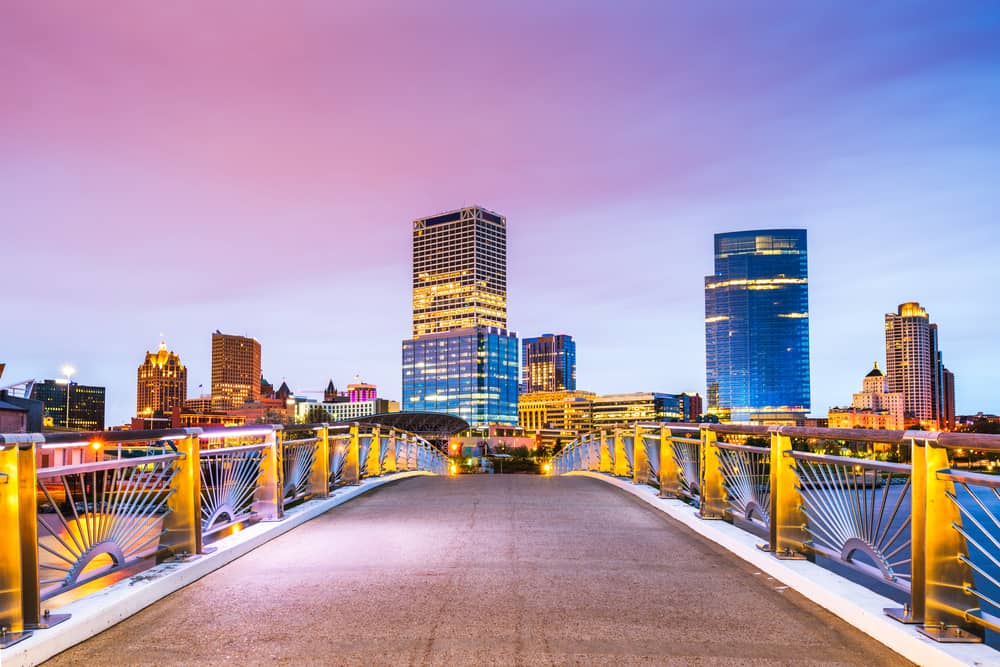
point(67, 371)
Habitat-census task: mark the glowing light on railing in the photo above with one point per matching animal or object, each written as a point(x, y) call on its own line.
point(96, 444)
point(236, 433)
point(454, 469)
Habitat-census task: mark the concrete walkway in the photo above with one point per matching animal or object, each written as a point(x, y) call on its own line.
point(485, 570)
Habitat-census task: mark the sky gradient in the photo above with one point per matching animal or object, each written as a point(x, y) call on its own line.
point(253, 167)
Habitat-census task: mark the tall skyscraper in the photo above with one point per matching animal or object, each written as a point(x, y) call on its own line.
point(914, 366)
point(757, 327)
point(548, 363)
point(459, 271)
point(161, 383)
point(82, 410)
point(461, 359)
point(235, 370)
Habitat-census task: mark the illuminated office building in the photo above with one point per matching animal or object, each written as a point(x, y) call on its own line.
point(548, 363)
point(469, 373)
point(459, 271)
point(559, 410)
point(161, 383)
point(757, 327)
point(360, 392)
point(236, 377)
point(85, 405)
point(461, 360)
point(615, 409)
point(914, 367)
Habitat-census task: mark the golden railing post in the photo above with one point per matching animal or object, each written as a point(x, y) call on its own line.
point(352, 458)
point(946, 577)
point(713, 490)
point(640, 461)
point(914, 611)
point(670, 472)
point(390, 452)
point(788, 534)
point(375, 453)
point(182, 524)
point(270, 494)
point(19, 608)
point(319, 478)
point(621, 458)
point(605, 453)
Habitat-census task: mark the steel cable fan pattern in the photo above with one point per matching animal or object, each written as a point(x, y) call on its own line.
point(99, 518)
point(746, 475)
point(977, 499)
point(850, 511)
point(229, 478)
point(298, 459)
point(687, 457)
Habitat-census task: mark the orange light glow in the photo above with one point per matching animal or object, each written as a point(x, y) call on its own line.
point(454, 469)
point(96, 444)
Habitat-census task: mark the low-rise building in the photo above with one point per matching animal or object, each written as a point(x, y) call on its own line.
point(874, 407)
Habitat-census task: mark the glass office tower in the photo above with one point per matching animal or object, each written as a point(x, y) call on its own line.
point(548, 363)
point(757, 327)
point(86, 405)
point(461, 360)
point(469, 373)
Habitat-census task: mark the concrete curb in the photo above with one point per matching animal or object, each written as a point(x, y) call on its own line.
point(101, 610)
point(852, 602)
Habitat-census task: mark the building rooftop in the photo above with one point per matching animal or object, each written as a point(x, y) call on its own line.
point(875, 372)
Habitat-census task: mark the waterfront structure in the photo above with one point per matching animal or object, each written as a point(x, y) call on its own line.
point(312, 412)
point(637, 407)
point(459, 271)
point(236, 377)
point(161, 383)
point(468, 373)
point(874, 407)
point(548, 363)
point(84, 403)
point(914, 367)
point(757, 327)
point(461, 360)
point(580, 411)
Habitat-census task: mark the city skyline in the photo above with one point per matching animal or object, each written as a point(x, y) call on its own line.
point(882, 148)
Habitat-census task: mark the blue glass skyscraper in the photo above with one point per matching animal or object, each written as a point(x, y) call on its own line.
point(757, 327)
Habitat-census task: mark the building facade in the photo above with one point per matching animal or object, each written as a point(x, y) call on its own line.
point(84, 405)
point(874, 407)
point(161, 383)
point(757, 327)
point(310, 412)
point(469, 373)
point(915, 368)
point(236, 377)
point(556, 410)
point(360, 392)
point(459, 271)
point(461, 360)
point(548, 363)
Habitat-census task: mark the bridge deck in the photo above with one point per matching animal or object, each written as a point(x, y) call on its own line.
point(485, 570)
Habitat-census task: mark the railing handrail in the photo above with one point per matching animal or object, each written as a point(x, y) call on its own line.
point(110, 464)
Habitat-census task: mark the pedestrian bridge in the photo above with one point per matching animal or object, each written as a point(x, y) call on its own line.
point(430, 568)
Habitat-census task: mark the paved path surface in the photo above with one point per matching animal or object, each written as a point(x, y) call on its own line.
point(485, 570)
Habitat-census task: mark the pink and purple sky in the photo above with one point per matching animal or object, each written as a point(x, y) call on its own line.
point(253, 167)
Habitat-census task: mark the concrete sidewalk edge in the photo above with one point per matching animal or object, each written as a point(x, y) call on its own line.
point(99, 611)
point(847, 600)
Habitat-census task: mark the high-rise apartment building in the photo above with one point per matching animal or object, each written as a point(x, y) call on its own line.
point(461, 359)
point(914, 366)
point(235, 370)
point(757, 327)
point(81, 410)
point(161, 383)
point(548, 363)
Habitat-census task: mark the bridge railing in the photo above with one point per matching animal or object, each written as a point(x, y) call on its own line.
point(921, 526)
point(78, 508)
